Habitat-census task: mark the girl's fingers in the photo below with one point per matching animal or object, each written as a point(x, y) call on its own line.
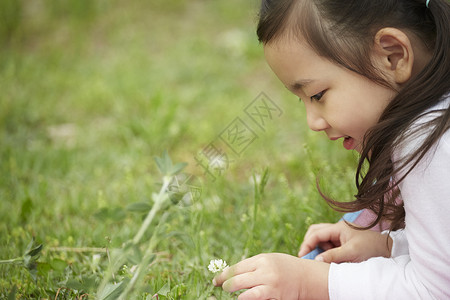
point(329, 236)
point(323, 245)
point(327, 246)
point(245, 266)
point(310, 232)
point(257, 293)
point(242, 281)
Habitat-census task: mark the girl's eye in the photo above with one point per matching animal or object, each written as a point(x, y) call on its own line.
point(318, 96)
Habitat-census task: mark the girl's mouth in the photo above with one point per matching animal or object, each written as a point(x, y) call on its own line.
point(349, 143)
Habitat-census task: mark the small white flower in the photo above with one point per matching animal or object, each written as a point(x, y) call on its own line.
point(96, 259)
point(217, 265)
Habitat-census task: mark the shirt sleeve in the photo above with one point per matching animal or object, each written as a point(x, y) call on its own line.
point(399, 242)
point(420, 264)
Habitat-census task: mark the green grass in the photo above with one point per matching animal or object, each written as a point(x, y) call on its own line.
point(92, 91)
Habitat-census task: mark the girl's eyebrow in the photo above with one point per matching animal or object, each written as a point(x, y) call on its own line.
point(299, 84)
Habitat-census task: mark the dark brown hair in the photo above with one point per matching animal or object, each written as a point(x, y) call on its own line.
point(343, 32)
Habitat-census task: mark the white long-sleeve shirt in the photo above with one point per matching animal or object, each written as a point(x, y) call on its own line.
point(419, 267)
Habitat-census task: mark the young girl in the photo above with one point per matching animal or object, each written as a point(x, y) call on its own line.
point(375, 74)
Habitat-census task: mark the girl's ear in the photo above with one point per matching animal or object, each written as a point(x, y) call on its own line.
point(394, 53)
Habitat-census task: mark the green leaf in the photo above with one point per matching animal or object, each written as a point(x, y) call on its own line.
point(87, 283)
point(177, 168)
point(58, 264)
point(176, 197)
point(139, 207)
point(135, 255)
point(102, 214)
point(164, 290)
point(164, 163)
point(30, 257)
point(30, 244)
point(113, 213)
point(74, 284)
point(113, 291)
point(43, 268)
point(32, 270)
point(117, 214)
point(35, 251)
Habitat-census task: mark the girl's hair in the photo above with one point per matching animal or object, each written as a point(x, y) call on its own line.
point(343, 32)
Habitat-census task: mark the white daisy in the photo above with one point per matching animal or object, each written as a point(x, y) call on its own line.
point(217, 265)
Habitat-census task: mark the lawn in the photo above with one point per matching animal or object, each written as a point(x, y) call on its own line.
point(92, 92)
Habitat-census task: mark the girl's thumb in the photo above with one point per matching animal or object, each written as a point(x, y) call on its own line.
point(335, 255)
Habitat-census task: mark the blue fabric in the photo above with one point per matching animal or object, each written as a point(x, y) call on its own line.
point(313, 254)
point(349, 217)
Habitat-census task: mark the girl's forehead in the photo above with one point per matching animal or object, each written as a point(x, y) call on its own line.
point(288, 46)
point(296, 64)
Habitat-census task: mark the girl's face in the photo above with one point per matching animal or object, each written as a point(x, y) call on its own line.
point(338, 101)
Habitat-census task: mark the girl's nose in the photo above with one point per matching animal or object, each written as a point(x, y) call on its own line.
point(316, 122)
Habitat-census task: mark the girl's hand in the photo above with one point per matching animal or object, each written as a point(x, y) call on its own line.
point(345, 244)
point(276, 276)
